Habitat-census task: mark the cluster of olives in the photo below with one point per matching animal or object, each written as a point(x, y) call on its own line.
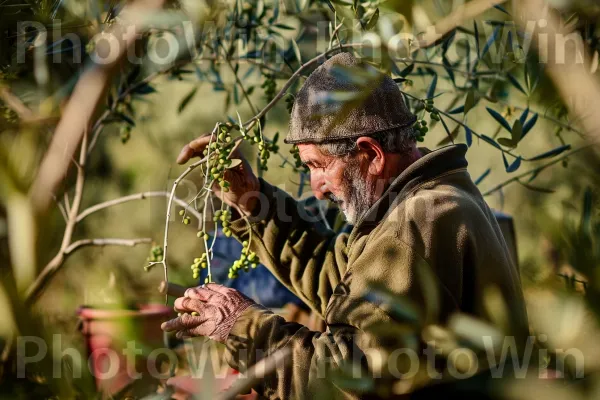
point(224, 218)
point(270, 87)
point(219, 151)
point(431, 110)
point(186, 219)
point(298, 164)
point(248, 259)
point(265, 148)
point(156, 255)
point(421, 129)
point(199, 263)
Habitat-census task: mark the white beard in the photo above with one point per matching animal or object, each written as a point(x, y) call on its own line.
point(359, 196)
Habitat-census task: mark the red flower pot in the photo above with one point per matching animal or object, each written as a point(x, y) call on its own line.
point(108, 334)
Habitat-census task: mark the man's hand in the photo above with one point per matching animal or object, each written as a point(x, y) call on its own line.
point(244, 185)
point(215, 308)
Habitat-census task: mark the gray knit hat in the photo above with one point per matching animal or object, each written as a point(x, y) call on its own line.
point(344, 98)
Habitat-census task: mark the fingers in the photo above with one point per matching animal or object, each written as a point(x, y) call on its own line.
point(184, 322)
point(201, 293)
point(186, 304)
point(200, 143)
point(186, 153)
point(193, 149)
point(214, 287)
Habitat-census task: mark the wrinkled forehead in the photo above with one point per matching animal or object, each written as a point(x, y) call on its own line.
point(310, 152)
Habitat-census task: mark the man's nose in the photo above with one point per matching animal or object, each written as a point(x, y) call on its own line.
point(318, 186)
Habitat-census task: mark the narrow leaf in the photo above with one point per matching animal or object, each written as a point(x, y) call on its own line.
point(586, 212)
point(516, 83)
point(297, 51)
point(524, 116)
point(491, 141)
point(125, 118)
point(476, 34)
point(530, 124)
point(517, 131)
point(536, 188)
point(551, 153)
point(499, 7)
point(432, 86)
point(469, 101)
point(500, 119)
point(407, 71)
point(186, 100)
point(490, 41)
point(514, 166)
point(483, 176)
point(507, 142)
point(457, 110)
point(447, 130)
point(373, 20)
point(468, 136)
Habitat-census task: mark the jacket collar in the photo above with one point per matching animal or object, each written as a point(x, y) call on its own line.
point(431, 165)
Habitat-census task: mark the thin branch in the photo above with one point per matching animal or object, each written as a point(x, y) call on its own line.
point(133, 197)
point(15, 104)
point(54, 265)
point(536, 170)
point(105, 242)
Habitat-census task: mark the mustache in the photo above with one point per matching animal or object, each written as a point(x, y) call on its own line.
point(331, 197)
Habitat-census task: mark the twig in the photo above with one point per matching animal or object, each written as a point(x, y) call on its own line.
point(105, 242)
point(257, 373)
point(50, 269)
point(133, 197)
point(535, 170)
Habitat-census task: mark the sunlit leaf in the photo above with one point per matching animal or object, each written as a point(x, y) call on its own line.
point(469, 101)
point(373, 20)
point(476, 34)
point(296, 51)
point(507, 142)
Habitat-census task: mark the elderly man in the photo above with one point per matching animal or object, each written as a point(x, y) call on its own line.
point(422, 234)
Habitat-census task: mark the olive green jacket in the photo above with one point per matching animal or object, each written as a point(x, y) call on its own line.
point(431, 242)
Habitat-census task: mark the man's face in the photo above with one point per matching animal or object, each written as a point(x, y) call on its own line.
point(340, 180)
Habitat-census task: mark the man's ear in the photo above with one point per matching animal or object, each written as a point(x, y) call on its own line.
point(373, 150)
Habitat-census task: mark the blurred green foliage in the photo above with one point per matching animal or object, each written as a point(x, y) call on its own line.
point(478, 85)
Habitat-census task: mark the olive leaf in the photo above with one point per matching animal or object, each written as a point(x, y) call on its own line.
point(186, 100)
point(235, 162)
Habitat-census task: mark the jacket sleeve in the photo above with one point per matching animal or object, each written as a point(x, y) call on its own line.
point(295, 246)
point(362, 332)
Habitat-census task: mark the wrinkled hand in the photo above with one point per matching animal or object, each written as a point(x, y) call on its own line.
point(218, 308)
point(244, 185)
